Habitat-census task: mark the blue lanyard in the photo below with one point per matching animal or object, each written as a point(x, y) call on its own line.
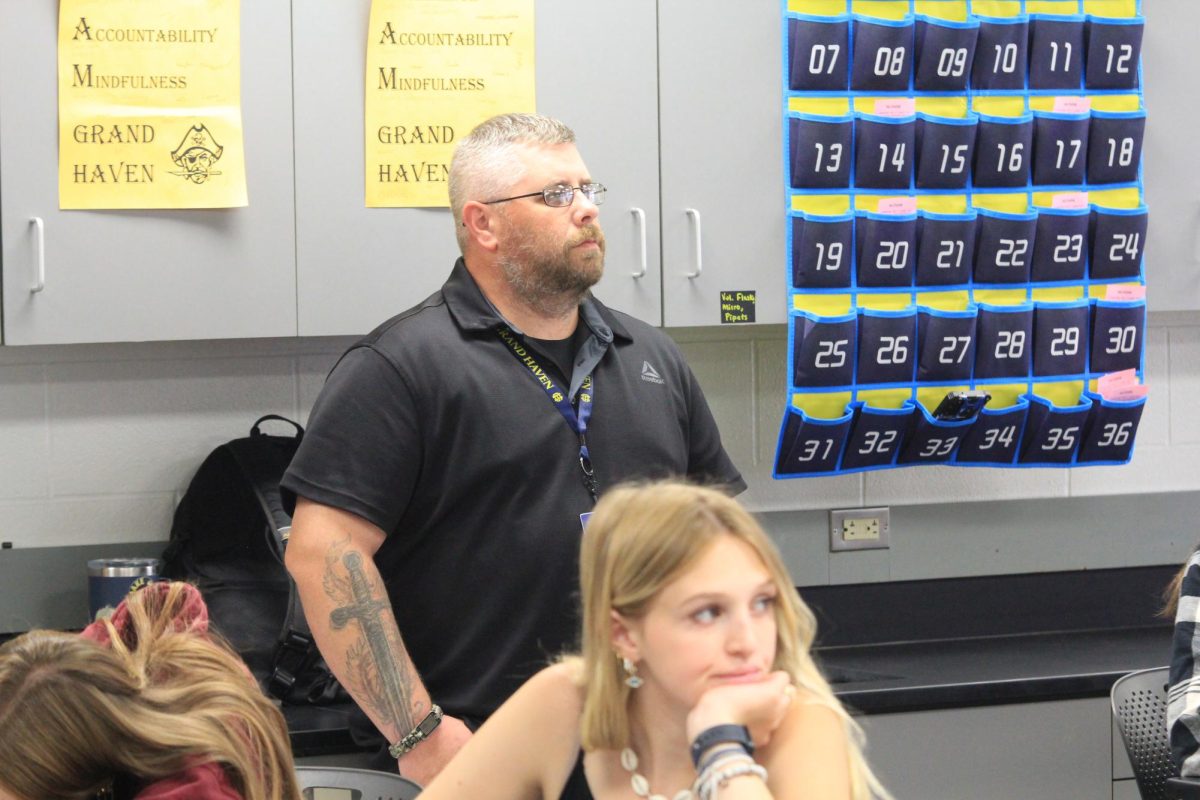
point(577, 421)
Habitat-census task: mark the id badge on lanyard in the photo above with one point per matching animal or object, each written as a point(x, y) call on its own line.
point(577, 420)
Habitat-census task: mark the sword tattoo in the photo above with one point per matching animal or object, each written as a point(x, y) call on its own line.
point(376, 661)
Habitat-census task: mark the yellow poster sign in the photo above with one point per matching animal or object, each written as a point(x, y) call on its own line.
point(149, 104)
point(436, 69)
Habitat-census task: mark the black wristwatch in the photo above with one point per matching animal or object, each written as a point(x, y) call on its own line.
point(734, 734)
point(419, 734)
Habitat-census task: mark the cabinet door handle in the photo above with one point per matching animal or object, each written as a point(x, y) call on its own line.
point(39, 244)
point(694, 215)
point(640, 217)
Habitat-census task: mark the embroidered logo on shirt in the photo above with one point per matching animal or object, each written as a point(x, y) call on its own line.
point(650, 374)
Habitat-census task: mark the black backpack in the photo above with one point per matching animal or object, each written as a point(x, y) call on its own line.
point(228, 537)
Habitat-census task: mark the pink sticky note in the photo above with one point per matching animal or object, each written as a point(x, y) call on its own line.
point(896, 106)
point(898, 205)
point(1072, 105)
point(1114, 381)
point(1070, 200)
point(1126, 393)
point(1125, 291)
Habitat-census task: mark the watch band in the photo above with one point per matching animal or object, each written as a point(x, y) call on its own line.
point(419, 734)
point(717, 734)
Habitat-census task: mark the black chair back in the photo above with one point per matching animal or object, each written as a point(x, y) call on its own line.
point(1139, 703)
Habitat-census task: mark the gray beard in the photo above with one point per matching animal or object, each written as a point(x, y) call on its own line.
point(550, 287)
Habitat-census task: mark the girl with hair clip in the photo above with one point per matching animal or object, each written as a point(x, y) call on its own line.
point(144, 705)
point(695, 681)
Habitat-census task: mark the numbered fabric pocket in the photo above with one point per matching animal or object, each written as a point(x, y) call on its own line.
point(1114, 51)
point(823, 350)
point(945, 150)
point(1002, 152)
point(1118, 237)
point(810, 444)
point(1053, 432)
point(1055, 51)
point(945, 52)
point(820, 151)
point(1060, 337)
point(1110, 430)
point(883, 54)
point(945, 249)
point(819, 50)
point(1060, 247)
point(1005, 336)
point(995, 436)
point(884, 151)
point(947, 345)
point(1004, 246)
point(1117, 330)
point(876, 435)
point(822, 251)
point(887, 346)
point(1001, 54)
point(1115, 146)
point(932, 441)
point(1060, 147)
point(886, 248)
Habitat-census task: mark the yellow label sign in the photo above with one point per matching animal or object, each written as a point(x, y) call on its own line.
point(149, 108)
point(435, 70)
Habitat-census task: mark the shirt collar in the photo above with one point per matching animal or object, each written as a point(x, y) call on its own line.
point(472, 311)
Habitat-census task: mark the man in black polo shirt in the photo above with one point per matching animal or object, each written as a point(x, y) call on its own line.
point(440, 485)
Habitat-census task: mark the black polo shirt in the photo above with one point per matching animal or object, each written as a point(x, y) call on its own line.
point(431, 429)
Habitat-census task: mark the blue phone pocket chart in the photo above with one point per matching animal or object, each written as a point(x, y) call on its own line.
point(965, 212)
point(945, 248)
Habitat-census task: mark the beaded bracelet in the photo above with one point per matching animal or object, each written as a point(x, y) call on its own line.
point(712, 778)
point(719, 754)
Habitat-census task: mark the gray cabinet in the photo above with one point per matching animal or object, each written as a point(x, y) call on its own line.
point(356, 266)
point(136, 275)
point(723, 196)
point(1171, 159)
point(1058, 749)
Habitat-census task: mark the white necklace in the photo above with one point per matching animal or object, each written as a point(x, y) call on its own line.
point(641, 786)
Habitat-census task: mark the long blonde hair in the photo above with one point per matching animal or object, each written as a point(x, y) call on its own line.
point(638, 540)
point(75, 714)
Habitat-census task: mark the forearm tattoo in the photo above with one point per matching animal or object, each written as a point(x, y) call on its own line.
point(376, 662)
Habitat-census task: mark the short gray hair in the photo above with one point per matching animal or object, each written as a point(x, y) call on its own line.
point(485, 162)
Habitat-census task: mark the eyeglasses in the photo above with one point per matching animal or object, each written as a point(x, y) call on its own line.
point(561, 196)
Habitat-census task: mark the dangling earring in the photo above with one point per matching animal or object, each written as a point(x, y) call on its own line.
point(632, 679)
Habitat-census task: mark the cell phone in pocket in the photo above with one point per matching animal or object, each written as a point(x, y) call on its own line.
point(961, 405)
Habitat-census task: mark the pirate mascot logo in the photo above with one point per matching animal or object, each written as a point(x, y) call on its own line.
point(197, 154)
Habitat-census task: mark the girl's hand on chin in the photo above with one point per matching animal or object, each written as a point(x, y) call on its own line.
point(759, 705)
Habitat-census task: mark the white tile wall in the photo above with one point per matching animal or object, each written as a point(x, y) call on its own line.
point(97, 441)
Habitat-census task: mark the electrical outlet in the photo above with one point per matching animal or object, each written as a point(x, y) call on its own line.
point(859, 529)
